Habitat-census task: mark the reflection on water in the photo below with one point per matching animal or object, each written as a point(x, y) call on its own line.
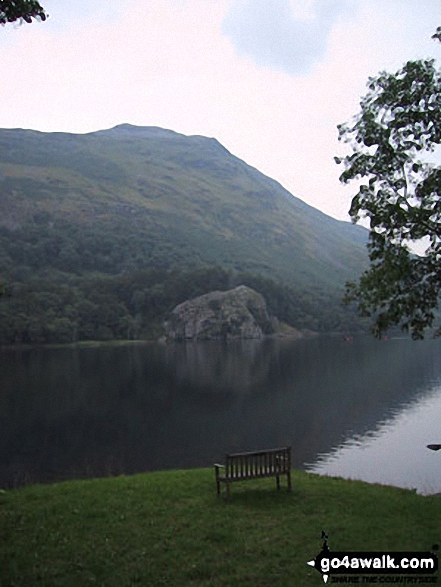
point(393, 453)
point(75, 412)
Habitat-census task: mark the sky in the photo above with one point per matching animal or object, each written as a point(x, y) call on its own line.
point(270, 79)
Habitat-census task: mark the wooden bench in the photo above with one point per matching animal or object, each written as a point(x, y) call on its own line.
point(254, 465)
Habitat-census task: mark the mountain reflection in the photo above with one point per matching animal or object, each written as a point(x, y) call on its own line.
point(395, 452)
point(76, 412)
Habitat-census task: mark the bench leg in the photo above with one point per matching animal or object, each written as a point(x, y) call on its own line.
point(278, 482)
point(288, 475)
point(216, 473)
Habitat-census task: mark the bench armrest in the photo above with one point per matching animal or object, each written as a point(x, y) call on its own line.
point(218, 474)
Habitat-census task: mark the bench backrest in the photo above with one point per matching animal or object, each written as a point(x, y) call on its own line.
point(263, 463)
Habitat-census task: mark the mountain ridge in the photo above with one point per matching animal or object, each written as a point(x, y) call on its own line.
point(182, 181)
point(103, 233)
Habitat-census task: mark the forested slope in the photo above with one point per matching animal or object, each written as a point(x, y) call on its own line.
point(102, 234)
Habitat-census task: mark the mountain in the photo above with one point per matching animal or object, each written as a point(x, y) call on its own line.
point(130, 199)
point(187, 199)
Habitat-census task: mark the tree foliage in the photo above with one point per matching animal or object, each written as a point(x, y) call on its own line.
point(66, 281)
point(45, 301)
point(12, 10)
point(399, 192)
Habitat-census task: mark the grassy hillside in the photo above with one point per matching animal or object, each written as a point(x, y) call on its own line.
point(170, 529)
point(130, 202)
point(187, 195)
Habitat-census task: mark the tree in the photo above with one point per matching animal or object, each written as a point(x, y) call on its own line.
point(399, 192)
point(12, 10)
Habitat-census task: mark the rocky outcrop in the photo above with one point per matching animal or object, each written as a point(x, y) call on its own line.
point(238, 313)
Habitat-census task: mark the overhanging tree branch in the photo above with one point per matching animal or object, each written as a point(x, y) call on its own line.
point(398, 124)
point(13, 10)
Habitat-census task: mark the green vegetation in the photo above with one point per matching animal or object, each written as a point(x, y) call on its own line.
point(169, 528)
point(12, 10)
point(392, 138)
point(133, 306)
point(101, 235)
point(134, 198)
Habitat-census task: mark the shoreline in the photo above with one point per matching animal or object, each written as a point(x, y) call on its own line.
point(293, 334)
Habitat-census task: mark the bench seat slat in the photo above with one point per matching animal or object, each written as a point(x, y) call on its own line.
point(254, 465)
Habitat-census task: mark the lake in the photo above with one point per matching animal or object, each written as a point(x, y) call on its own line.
point(364, 409)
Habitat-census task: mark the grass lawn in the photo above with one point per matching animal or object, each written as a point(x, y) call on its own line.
point(169, 529)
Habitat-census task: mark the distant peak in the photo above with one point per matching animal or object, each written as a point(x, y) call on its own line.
point(145, 130)
point(156, 132)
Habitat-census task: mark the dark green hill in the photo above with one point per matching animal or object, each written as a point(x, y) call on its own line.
point(128, 200)
point(187, 198)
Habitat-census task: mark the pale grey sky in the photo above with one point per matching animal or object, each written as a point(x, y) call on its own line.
point(270, 79)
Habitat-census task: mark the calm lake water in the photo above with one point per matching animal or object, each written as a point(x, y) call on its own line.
point(363, 409)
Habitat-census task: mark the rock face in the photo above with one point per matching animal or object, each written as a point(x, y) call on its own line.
point(238, 313)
